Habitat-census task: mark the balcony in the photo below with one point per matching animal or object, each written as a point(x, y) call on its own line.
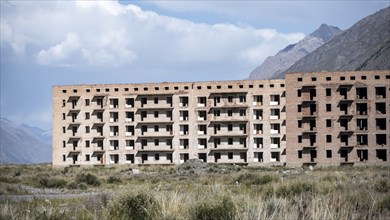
point(274, 117)
point(273, 103)
point(274, 146)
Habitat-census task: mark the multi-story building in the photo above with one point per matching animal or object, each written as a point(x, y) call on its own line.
point(237, 122)
point(325, 118)
point(338, 118)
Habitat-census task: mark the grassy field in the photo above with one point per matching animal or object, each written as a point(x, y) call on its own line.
point(197, 191)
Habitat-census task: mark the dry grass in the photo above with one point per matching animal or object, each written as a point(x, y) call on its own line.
point(213, 192)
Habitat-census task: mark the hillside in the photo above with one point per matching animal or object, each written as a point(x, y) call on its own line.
point(364, 46)
point(22, 144)
point(285, 58)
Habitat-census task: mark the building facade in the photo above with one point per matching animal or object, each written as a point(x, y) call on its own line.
point(238, 122)
point(338, 118)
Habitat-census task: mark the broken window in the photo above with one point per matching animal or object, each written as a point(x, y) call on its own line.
point(202, 156)
point(328, 91)
point(258, 142)
point(361, 108)
point(362, 124)
point(362, 139)
point(362, 155)
point(380, 92)
point(381, 139)
point(380, 123)
point(380, 107)
point(381, 154)
point(328, 153)
point(114, 103)
point(217, 156)
point(361, 93)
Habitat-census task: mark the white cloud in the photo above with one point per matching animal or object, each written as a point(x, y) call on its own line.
point(106, 33)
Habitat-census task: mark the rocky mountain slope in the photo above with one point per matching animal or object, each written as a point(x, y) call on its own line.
point(364, 46)
point(285, 58)
point(23, 144)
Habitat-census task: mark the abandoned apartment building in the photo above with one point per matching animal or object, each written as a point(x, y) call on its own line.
point(307, 118)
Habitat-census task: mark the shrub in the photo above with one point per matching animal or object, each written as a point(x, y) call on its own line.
point(382, 186)
point(289, 191)
point(135, 206)
point(113, 179)
point(89, 179)
point(216, 208)
point(47, 182)
point(253, 179)
point(383, 204)
point(74, 185)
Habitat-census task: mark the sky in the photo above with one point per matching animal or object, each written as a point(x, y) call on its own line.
point(46, 43)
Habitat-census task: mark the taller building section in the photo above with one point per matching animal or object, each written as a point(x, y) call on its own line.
point(169, 123)
point(338, 118)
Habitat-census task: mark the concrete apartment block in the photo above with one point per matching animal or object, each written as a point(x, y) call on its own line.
point(338, 118)
point(240, 122)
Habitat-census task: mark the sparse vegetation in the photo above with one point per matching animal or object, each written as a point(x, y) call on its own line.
point(196, 191)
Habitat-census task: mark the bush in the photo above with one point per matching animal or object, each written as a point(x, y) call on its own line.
point(89, 179)
point(47, 182)
point(216, 208)
point(383, 205)
point(74, 185)
point(382, 186)
point(135, 206)
point(253, 179)
point(113, 179)
point(289, 191)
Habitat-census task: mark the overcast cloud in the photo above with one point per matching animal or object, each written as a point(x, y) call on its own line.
point(48, 43)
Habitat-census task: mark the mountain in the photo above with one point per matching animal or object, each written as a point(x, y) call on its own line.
point(285, 58)
point(364, 46)
point(23, 144)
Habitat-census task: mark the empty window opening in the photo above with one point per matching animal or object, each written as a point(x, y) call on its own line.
point(328, 91)
point(144, 101)
point(381, 139)
point(243, 156)
point(380, 92)
point(184, 130)
point(155, 114)
point(257, 100)
point(274, 99)
point(114, 145)
point(129, 144)
point(361, 93)
point(157, 157)
point(184, 158)
point(344, 154)
point(313, 94)
point(183, 143)
point(114, 103)
point(243, 142)
point(275, 113)
point(183, 115)
point(217, 127)
point(344, 124)
point(201, 101)
point(143, 115)
point(242, 98)
point(377, 77)
point(258, 156)
point(155, 100)
point(328, 123)
point(328, 153)
point(275, 142)
point(87, 102)
point(300, 154)
point(258, 142)
point(230, 87)
point(156, 128)
point(230, 141)
point(362, 139)
point(202, 156)
point(275, 157)
point(230, 112)
point(129, 158)
point(381, 155)
point(380, 123)
point(217, 142)
point(329, 138)
point(242, 112)
point(258, 114)
point(328, 78)
point(361, 108)
point(217, 156)
point(313, 140)
point(299, 138)
point(313, 155)
point(299, 79)
point(218, 87)
point(230, 155)
point(344, 139)
point(313, 109)
point(380, 107)
point(362, 155)
point(362, 124)
point(328, 107)
point(343, 92)
point(299, 93)
point(169, 101)
point(144, 157)
point(114, 116)
point(183, 101)
point(202, 129)
point(217, 113)
point(258, 129)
